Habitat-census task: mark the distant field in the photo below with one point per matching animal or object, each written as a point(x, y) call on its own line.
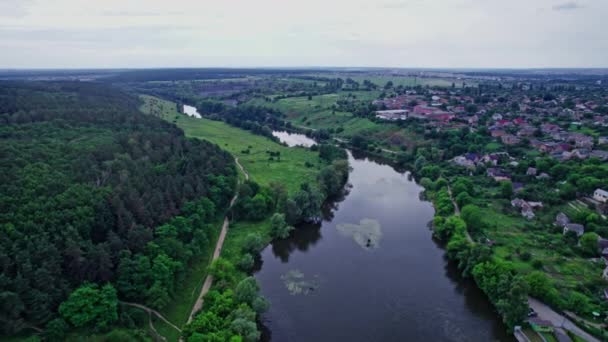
point(406, 81)
point(291, 170)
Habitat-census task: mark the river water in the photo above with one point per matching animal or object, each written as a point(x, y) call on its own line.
point(371, 272)
point(191, 111)
point(294, 139)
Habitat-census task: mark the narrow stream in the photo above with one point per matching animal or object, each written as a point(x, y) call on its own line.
point(371, 271)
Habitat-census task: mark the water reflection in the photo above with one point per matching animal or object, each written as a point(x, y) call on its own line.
point(301, 239)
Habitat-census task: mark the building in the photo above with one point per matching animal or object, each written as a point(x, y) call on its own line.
point(509, 139)
point(392, 115)
point(600, 195)
point(561, 220)
point(579, 229)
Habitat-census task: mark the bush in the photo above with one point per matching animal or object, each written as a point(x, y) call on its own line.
point(253, 243)
point(246, 263)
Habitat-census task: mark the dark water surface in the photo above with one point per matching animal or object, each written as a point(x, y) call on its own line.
point(371, 272)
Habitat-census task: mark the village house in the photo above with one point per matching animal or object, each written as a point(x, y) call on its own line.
point(526, 207)
point(579, 229)
point(599, 154)
point(463, 161)
point(496, 133)
point(548, 128)
point(561, 220)
point(497, 174)
point(600, 195)
point(526, 131)
point(472, 120)
point(392, 115)
point(509, 139)
point(581, 140)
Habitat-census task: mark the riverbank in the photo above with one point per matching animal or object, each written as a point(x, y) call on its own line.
point(268, 164)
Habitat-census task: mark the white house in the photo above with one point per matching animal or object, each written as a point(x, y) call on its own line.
point(600, 195)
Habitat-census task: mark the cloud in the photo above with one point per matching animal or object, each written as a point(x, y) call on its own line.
point(14, 8)
point(141, 13)
point(567, 6)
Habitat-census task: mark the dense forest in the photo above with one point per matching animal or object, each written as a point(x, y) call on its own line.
point(98, 202)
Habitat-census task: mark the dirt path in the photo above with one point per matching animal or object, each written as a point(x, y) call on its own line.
point(198, 305)
point(546, 313)
point(242, 168)
point(154, 312)
point(457, 213)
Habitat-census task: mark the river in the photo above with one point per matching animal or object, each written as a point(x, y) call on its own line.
point(371, 271)
point(294, 139)
point(191, 111)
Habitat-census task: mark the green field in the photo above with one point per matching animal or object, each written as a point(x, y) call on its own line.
point(514, 236)
point(291, 170)
point(316, 113)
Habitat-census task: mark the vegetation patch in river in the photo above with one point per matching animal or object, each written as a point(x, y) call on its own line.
point(296, 283)
point(366, 234)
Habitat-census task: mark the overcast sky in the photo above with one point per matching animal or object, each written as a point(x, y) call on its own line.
point(382, 33)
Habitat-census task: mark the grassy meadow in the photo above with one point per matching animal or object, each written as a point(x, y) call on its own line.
point(291, 170)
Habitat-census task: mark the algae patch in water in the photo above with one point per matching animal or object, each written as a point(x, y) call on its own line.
point(296, 283)
point(366, 234)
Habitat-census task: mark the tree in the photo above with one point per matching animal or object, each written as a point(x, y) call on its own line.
point(514, 305)
point(260, 305)
point(578, 303)
point(246, 329)
point(506, 189)
point(463, 199)
point(246, 291)
point(279, 229)
point(246, 263)
point(92, 307)
point(451, 226)
point(253, 243)
point(473, 216)
point(56, 330)
point(589, 243)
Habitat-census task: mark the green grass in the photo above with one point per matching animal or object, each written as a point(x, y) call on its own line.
point(291, 170)
point(316, 113)
point(549, 337)
point(514, 236)
point(233, 246)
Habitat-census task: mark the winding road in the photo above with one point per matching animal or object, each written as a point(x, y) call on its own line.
point(152, 312)
point(558, 320)
point(198, 305)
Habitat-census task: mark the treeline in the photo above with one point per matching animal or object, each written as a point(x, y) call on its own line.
point(98, 198)
point(507, 290)
point(174, 74)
